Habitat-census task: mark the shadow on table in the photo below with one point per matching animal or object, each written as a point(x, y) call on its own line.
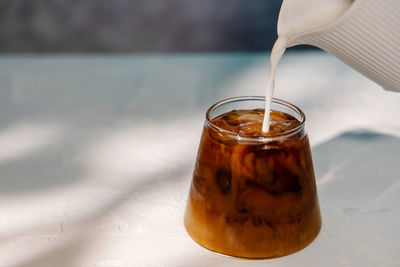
point(351, 168)
point(358, 165)
point(81, 234)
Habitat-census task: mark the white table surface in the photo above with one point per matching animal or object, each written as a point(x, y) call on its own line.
point(97, 152)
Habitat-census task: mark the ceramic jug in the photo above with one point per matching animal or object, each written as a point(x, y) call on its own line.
point(364, 34)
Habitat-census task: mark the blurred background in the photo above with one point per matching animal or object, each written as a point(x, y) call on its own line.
point(137, 25)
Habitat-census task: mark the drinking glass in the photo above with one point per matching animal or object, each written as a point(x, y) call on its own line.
point(253, 196)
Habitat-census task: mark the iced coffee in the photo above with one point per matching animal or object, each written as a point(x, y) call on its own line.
point(253, 194)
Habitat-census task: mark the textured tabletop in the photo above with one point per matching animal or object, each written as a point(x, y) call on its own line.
point(97, 152)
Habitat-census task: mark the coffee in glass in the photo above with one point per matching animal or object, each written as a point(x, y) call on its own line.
point(253, 194)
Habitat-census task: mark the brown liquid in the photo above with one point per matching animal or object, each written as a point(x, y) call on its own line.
point(253, 200)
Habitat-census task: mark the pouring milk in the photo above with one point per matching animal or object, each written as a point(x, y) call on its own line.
point(362, 33)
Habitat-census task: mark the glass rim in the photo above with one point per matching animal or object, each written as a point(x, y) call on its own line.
point(261, 138)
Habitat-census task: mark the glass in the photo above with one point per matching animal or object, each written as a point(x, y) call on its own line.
point(253, 195)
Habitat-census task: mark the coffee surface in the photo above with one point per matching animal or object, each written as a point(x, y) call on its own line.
point(249, 122)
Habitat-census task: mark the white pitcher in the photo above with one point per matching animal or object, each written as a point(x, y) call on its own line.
point(364, 34)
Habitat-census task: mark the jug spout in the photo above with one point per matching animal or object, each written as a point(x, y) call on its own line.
point(364, 34)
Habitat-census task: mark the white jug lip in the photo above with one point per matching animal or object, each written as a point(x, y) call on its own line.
point(298, 39)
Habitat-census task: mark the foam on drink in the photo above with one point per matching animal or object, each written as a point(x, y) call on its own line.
point(300, 17)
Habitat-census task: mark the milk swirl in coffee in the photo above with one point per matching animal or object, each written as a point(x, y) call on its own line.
point(253, 197)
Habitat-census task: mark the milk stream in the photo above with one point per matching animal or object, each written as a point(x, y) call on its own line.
point(299, 16)
point(276, 55)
